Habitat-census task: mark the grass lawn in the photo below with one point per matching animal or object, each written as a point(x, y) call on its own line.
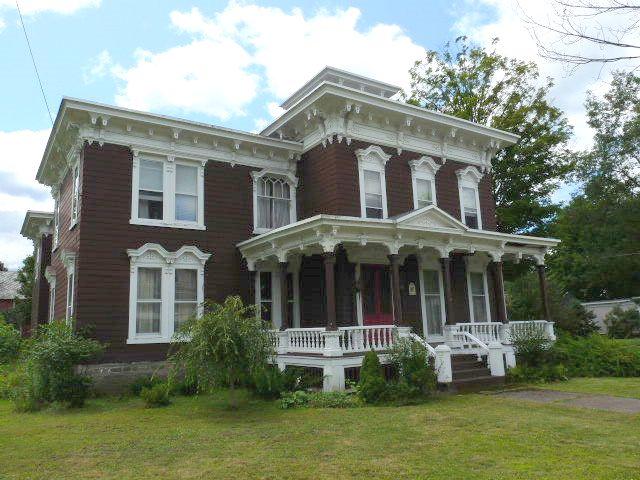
point(472, 436)
point(619, 387)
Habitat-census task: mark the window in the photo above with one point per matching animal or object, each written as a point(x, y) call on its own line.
point(56, 222)
point(167, 193)
point(423, 176)
point(468, 180)
point(433, 305)
point(186, 193)
point(186, 291)
point(266, 296)
point(52, 302)
point(70, 290)
point(373, 187)
point(166, 289)
point(150, 195)
point(274, 200)
point(478, 298)
point(75, 199)
point(469, 207)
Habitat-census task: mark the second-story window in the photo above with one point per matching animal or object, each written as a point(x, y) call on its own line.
point(150, 195)
point(373, 199)
point(56, 222)
point(274, 200)
point(423, 179)
point(373, 187)
point(75, 199)
point(424, 192)
point(468, 180)
point(469, 207)
point(186, 193)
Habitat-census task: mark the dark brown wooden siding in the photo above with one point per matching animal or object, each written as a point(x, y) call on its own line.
point(329, 184)
point(103, 292)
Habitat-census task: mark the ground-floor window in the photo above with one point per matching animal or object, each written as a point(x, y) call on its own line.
point(70, 289)
point(268, 294)
point(478, 297)
point(166, 289)
point(52, 302)
point(432, 301)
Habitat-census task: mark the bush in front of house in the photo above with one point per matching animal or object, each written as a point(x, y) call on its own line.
point(141, 383)
point(10, 341)
point(301, 399)
point(372, 385)
point(535, 358)
point(157, 395)
point(416, 377)
point(271, 382)
point(623, 323)
point(46, 370)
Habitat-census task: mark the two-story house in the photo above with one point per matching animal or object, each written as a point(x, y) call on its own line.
point(350, 218)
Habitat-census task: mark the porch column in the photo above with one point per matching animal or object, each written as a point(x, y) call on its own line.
point(394, 259)
point(448, 297)
point(499, 287)
point(284, 297)
point(544, 292)
point(252, 287)
point(330, 289)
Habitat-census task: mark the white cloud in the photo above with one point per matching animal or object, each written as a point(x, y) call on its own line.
point(274, 109)
point(20, 154)
point(2, 25)
point(98, 67)
point(218, 72)
point(33, 7)
point(516, 40)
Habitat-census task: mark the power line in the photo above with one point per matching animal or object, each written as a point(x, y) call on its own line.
point(24, 29)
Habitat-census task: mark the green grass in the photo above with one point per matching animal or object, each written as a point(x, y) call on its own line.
point(471, 436)
point(619, 387)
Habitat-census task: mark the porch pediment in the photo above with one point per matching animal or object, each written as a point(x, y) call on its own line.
point(430, 217)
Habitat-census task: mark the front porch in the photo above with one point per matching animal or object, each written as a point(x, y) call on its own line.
point(337, 287)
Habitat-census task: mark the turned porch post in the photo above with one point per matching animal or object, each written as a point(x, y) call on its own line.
point(544, 294)
point(499, 288)
point(330, 289)
point(394, 259)
point(252, 287)
point(284, 298)
point(448, 297)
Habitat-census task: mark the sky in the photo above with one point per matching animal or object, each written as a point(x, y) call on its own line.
point(225, 63)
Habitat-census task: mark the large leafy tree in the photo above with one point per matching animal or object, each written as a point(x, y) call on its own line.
point(20, 314)
point(485, 87)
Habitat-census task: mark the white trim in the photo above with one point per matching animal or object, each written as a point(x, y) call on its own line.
point(152, 255)
point(290, 179)
point(75, 194)
point(424, 168)
point(476, 267)
point(431, 264)
point(359, 314)
point(168, 192)
point(50, 275)
point(276, 294)
point(469, 177)
point(56, 221)
point(373, 159)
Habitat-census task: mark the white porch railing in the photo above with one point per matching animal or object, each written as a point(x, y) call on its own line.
point(529, 326)
point(488, 332)
point(363, 339)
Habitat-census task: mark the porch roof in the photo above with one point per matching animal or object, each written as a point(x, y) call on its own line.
point(427, 228)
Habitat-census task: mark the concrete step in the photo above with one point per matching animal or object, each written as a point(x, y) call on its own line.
point(476, 384)
point(465, 373)
point(466, 364)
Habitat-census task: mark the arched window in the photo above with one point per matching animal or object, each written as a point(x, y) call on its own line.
point(274, 200)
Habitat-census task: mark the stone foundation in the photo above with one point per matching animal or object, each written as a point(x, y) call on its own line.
point(113, 378)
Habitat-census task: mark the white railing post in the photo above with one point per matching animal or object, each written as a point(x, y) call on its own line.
point(509, 357)
point(283, 341)
point(496, 363)
point(332, 346)
point(504, 333)
point(403, 332)
point(443, 364)
point(550, 331)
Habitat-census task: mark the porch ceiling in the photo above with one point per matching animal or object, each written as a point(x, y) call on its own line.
point(429, 228)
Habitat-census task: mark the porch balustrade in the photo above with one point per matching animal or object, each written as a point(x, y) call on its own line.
point(350, 339)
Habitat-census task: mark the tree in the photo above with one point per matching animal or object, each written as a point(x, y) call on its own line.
point(20, 314)
point(588, 31)
point(227, 346)
point(505, 93)
point(2, 267)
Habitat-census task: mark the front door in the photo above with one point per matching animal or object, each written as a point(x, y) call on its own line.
point(375, 282)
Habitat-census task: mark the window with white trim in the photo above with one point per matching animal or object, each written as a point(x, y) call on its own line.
point(478, 296)
point(265, 299)
point(372, 182)
point(274, 200)
point(70, 294)
point(268, 296)
point(468, 180)
point(166, 289)
point(75, 197)
point(433, 302)
point(52, 302)
point(423, 180)
point(56, 221)
point(167, 192)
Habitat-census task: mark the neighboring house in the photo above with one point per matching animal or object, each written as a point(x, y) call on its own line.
point(351, 219)
point(601, 308)
point(9, 287)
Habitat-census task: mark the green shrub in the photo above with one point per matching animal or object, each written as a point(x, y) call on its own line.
point(372, 385)
point(143, 382)
point(623, 323)
point(270, 382)
point(156, 395)
point(544, 373)
point(301, 398)
point(416, 375)
point(597, 356)
point(46, 370)
point(531, 346)
point(10, 341)
point(185, 387)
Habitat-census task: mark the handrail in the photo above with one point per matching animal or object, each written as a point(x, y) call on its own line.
point(423, 342)
point(476, 340)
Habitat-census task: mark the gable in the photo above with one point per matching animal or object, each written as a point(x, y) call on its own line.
point(430, 217)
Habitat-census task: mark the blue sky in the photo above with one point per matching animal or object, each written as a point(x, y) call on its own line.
point(226, 63)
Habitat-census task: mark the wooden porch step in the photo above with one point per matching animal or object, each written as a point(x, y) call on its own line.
point(476, 372)
point(476, 384)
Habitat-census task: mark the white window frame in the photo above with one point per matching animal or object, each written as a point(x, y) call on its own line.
point(431, 264)
point(75, 196)
point(152, 255)
point(373, 159)
point(50, 275)
point(290, 179)
point(69, 259)
point(276, 294)
point(477, 265)
point(56, 220)
point(424, 168)
point(469, 177)
point(168, 192)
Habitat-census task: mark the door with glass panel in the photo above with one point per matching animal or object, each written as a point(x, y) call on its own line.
point(432, 305)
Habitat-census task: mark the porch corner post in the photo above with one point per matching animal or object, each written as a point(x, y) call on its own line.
point(499, 285)
point(284, 298)
point(394, 259)
point(329, 260)
point(448, 296)
point(544, 293)
point(252, 287)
